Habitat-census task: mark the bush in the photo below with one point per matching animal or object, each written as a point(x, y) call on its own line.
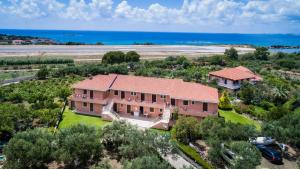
point(192, 153)
point(132, 56)
point(186, 129)
point(113, 57)
point(224, 101)
point(231, 53)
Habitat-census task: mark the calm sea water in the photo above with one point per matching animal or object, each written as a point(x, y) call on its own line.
point(127, 38)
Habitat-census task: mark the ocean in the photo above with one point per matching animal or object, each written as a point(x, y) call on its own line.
point(160, 38)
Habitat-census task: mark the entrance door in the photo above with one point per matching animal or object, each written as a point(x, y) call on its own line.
point(142, 96)
point(122, 94)
point(141, 109)
point(72, 104)
point(91, 107)
point(115, 107)
point(128, 108)
point(173, 102)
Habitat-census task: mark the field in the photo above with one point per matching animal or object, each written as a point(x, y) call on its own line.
point(70, 118)
point(15, 74)
point(234, 117)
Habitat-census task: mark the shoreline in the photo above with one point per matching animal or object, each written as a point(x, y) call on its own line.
point(97, 51)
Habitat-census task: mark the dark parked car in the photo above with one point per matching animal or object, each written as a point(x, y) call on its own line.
point(270, 153)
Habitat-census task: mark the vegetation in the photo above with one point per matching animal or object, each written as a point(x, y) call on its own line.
point(186, 129)
point(120, 57)
point(192, 153)
point(232, 116)
point(32, 61)
point(224, 101)
point(232, 53)
point(81, 146)
point(70, 119)
point(250, 155)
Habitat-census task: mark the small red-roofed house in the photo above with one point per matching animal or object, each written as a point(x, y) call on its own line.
point(113, 95)
point(232, 78)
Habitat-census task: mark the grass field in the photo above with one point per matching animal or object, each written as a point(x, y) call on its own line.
point(70, 118)
point(238, 118)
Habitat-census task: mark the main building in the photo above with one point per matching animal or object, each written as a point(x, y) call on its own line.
point(113, 96)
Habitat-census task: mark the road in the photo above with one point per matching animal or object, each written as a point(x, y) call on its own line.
point(265, 164)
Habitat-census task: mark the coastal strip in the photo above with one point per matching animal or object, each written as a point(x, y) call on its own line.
point(96, 51)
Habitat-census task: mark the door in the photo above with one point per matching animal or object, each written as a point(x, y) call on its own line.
point(122, 94)
point(173, 102)
point(128, 108)
point(115, 107)
point(91, 94)
point(91, 107)
point(142, 96)
point(72, 104)
point(141, 109)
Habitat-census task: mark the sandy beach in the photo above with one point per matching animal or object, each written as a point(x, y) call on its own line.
point(94, 52)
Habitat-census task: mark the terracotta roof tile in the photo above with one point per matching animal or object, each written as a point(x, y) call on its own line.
point(176, 88)
point(236, 73)
point(99, 82)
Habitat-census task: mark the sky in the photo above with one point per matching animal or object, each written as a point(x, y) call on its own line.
point(213, 16)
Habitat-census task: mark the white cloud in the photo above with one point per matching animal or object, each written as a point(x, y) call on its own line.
point(81, 10)
point(193, 12)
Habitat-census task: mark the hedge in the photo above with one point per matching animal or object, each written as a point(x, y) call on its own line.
point(192, 153)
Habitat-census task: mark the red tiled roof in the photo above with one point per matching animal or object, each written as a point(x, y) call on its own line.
point(99, 82)
point(176, 88)
point(236, 73)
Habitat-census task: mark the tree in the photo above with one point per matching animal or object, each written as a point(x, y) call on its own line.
point(79, 146)
point(64, 92)
point(224, 101)
point(217, 60)
point(261, 53)
point(113, 57)
point(232, 53)
point(285, 129)
point(42, 73)
point(250, 156)
point(30, 149)
point(186, 129)
point(247, 92)
point(129, 142)
point(132, 56)
point(146, 162)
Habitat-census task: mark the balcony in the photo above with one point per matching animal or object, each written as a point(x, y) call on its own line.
point(83, 98)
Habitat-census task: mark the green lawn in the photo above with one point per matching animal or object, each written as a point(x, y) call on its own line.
point(238, 118)
point(70, 118)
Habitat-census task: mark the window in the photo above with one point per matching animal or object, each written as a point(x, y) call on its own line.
point(151, 109)
point(91, 94)
point(225, 81)
point(193, 102)
point(133, 93)
point(160, 110)
point(116, 92)
point(185, 102)
point(204, 106)
point(84, 104)
point(84, 91)
point(153, 98)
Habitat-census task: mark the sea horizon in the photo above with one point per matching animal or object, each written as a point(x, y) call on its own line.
point(159, 38)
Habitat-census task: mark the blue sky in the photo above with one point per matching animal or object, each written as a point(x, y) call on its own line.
point(220, 16)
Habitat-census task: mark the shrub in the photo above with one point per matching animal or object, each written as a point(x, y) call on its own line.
point(224, 102)
point(192, 153)
point(113, 57)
